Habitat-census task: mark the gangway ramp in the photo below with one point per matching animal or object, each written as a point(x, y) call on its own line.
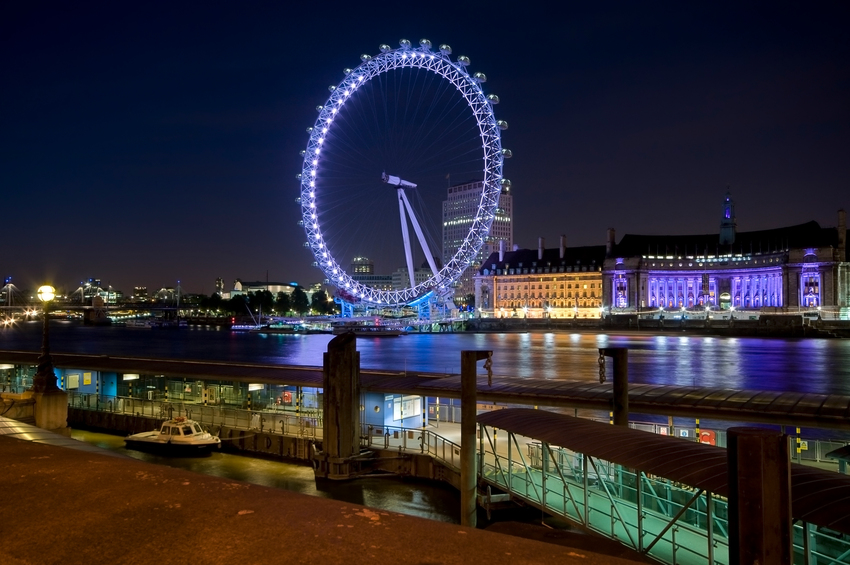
point(662, 496)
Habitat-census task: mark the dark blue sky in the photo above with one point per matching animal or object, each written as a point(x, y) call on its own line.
point(144, 143)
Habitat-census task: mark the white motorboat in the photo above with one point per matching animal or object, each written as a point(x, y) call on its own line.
point(178, 436)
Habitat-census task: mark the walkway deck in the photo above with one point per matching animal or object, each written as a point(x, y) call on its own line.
point(791, 409)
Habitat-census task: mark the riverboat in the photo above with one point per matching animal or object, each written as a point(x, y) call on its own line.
point(367, 330)
point(177, 437)
point(280, 328)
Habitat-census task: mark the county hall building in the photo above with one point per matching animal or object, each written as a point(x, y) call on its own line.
point(792, 269)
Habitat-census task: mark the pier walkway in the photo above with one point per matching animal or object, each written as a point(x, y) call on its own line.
point(825, 411)
point(661, 496)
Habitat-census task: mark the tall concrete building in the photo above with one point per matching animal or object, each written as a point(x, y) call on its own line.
point(362, 270)
point(459, 210)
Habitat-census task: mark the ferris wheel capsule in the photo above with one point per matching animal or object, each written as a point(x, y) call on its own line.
point(507, 153)
point(425, 43)
point(404, 43)
point(503, 125)
point(480, 77)
point(346, 71)
point(445, 49)
point(365, 57)
point(384, 48)
point(463, 60)
point(492, 99)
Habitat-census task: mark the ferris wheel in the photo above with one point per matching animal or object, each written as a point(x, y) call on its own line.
point(398, 130)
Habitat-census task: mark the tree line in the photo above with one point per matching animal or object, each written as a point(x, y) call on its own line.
point(264, 301)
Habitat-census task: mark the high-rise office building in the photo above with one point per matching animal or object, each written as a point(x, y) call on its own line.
point(459, 210)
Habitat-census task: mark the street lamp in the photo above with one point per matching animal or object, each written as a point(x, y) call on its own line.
point(45, 379)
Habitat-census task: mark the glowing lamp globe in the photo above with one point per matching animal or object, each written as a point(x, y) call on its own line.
point(46, 293)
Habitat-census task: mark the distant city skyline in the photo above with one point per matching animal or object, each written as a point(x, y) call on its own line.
point(149, 144)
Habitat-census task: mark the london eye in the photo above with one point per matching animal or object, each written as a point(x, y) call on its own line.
point(399, 128)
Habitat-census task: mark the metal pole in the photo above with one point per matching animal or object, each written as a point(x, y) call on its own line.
point(709, 526)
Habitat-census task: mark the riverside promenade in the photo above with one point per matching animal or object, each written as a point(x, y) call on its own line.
point(68, 506)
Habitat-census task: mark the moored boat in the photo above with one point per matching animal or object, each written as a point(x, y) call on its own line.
point(178, 436)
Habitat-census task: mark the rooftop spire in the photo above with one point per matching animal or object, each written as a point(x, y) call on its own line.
point(728, 223)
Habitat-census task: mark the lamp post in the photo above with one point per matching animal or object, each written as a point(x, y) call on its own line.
point(45, 379)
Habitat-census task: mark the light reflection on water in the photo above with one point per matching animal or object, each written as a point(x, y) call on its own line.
point(793, 365)
point(425, 499)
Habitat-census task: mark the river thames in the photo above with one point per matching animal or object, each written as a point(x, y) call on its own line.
point(819, 366)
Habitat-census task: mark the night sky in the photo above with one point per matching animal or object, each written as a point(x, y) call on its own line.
point(146, 143)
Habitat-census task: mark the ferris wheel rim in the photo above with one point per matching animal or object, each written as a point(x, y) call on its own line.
point(425, 59)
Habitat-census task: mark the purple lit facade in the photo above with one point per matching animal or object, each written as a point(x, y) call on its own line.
point(692, 282)
point(792, 269)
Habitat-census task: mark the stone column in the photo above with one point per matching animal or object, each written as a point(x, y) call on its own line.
point(51, 411)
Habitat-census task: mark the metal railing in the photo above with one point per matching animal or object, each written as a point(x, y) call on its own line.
point(288, 423)
point(672, 522)
point(420, 440)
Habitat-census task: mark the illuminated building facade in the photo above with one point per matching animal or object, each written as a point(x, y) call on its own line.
point(459, 210)
point(784, 270)
point(564, 282)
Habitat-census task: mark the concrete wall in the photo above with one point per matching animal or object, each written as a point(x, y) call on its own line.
point(20, 407)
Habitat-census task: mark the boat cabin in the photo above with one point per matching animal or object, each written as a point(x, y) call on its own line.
point(180, 427)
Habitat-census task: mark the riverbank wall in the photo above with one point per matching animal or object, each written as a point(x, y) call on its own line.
point(770, 325)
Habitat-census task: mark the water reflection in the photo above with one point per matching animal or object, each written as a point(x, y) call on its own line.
point(795, 365)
